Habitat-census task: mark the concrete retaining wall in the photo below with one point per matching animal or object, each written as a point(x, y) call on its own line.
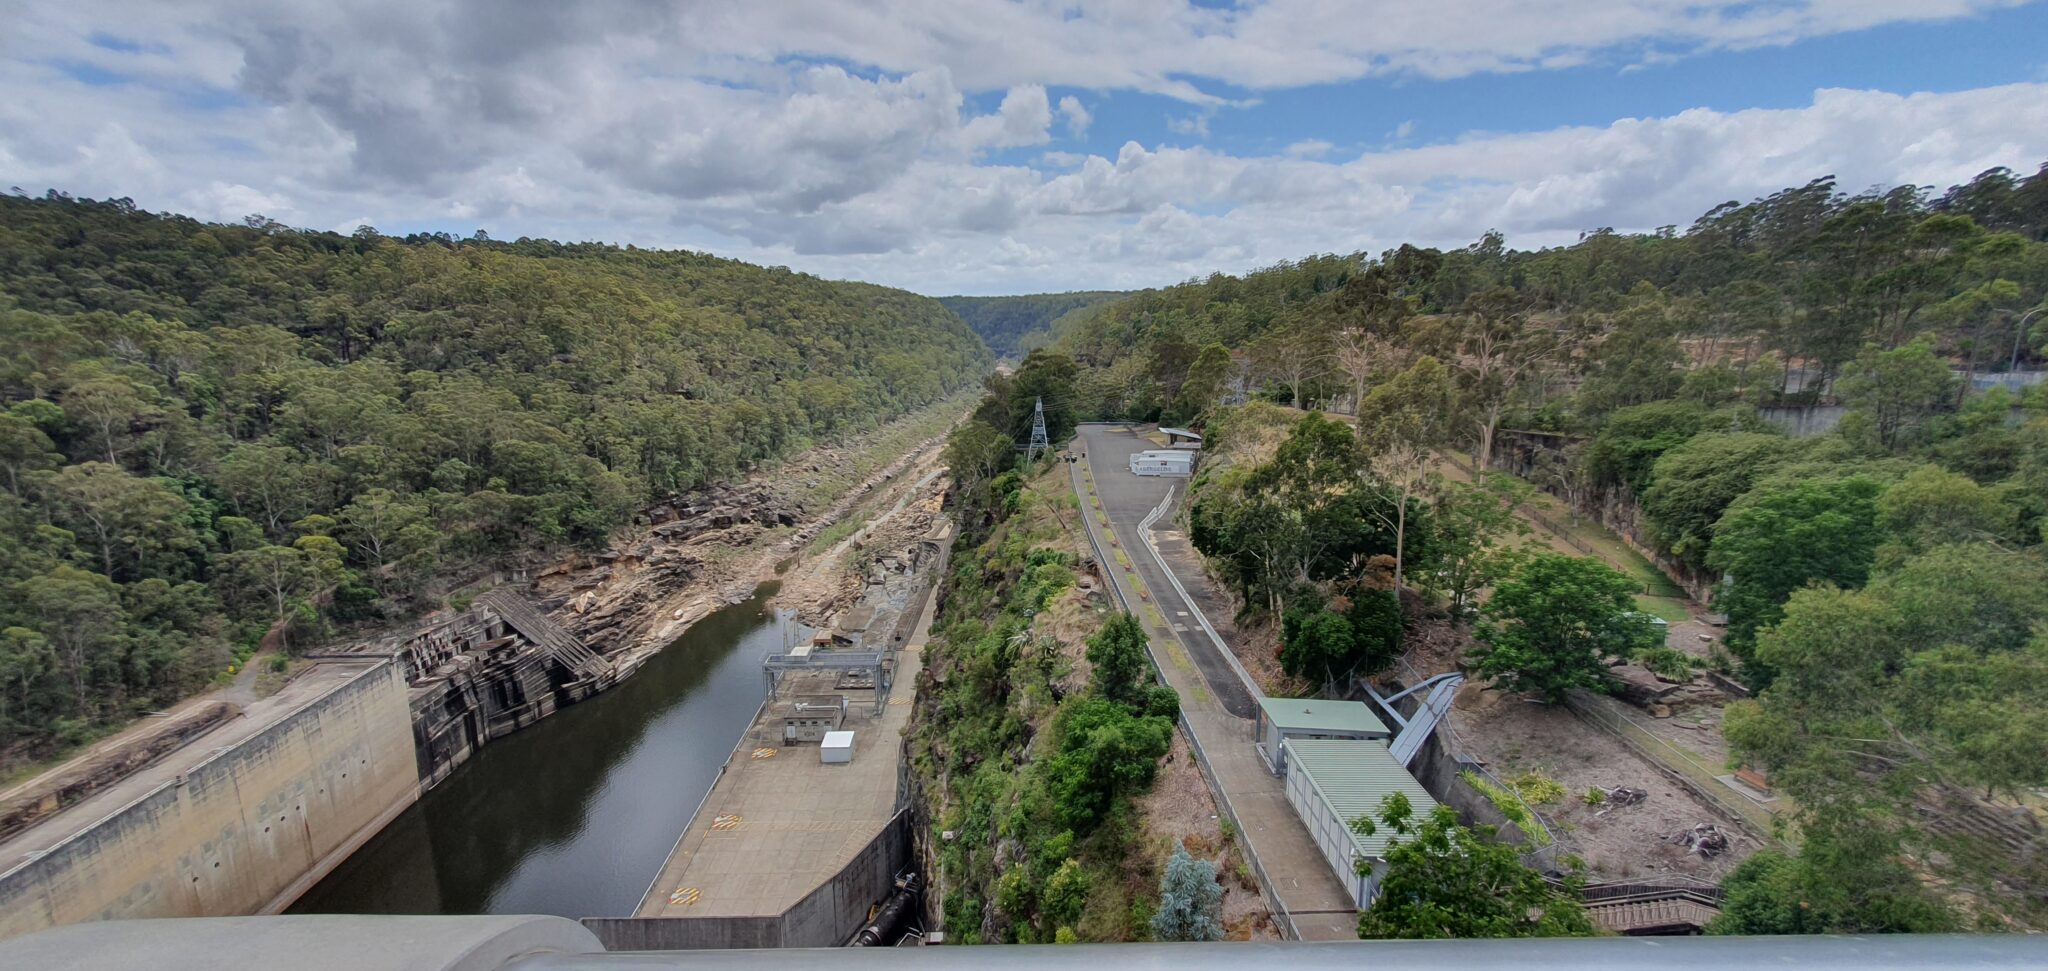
point(244, 832)
point(826, 918)
point(1437, 768)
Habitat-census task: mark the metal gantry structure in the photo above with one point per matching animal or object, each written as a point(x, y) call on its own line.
point(1039, 442)
point(776, 666)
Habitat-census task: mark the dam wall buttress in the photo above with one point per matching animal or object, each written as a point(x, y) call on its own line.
point(243, 832)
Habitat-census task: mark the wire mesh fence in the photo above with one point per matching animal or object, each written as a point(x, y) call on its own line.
point(1702, 780)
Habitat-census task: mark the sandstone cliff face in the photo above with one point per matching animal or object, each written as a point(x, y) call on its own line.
point(699, 550)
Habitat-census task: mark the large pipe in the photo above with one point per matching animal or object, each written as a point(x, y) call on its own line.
point(889, 919)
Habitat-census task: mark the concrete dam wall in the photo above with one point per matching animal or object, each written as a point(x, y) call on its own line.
point(243, 832)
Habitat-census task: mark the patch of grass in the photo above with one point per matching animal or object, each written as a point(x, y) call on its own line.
point(1510, 805)
point(1605, 543)
point(831, 535)
point(78, 740)
point(1665, 608)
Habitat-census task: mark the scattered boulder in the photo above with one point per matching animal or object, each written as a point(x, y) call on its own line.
point(1704, 840)
point(1626, 796)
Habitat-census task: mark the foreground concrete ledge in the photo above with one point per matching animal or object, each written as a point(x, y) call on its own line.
point(300, 943)
point(314, 943)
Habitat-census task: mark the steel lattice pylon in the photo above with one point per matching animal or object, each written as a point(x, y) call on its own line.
point(1038, 437)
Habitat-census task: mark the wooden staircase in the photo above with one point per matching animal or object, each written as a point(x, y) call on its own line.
point(1653, 908)
point(1647, 918)
point(559, 644)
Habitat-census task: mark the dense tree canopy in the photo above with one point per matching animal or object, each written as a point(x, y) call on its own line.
point(1445, 880)
point(1308, 516)
point(206, 430)
point(1011, 326)
point(1557, 622)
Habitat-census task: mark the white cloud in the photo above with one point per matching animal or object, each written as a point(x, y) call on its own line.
point(230, 202)
point(1076, 116)
point(1023, 119)
point(1404, 130)
point(714, 125)
point(115, 153)
point(1195, 125)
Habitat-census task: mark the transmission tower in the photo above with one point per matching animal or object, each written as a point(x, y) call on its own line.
point(1038, 440)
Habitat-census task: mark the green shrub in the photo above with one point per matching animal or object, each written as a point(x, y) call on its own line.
point(1511, 806)
point(1065, 894)
point(1163, 702)
point(1537, 788)
point(1666, 662)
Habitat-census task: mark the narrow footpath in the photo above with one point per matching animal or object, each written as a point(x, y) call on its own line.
point(1218, 702)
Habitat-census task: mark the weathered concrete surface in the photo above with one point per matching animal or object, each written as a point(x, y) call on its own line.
point(786, 851)
point(107, 763)
point(824, 917)
point(798, 821)
point(241, 821)
point(1307, 899)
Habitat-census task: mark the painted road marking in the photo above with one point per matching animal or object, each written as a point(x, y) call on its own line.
point(685, 896)
point(726, 821)
point(764, 753)
point(899, 702)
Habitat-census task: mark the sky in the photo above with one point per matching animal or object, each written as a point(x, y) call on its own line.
point(1010, 146)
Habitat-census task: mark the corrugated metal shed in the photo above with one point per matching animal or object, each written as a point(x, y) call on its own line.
point(1352, 777)
point(1312, 716)
point(1166, 455)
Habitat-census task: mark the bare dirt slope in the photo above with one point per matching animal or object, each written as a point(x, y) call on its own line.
point(707, 549)
point(1617, 842)
point(892, 519)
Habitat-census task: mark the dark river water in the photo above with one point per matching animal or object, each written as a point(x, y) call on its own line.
point(574, 815)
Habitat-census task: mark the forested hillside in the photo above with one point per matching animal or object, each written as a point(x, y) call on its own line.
point(1801, 403)
point(1008, 324)
point(208, 429)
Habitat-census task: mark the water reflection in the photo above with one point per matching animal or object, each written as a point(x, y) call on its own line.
point(575, 815)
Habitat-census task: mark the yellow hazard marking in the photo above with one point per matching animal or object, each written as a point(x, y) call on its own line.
point(726, 821)
point(764, 753)
point(899, 702)
point(685, 896)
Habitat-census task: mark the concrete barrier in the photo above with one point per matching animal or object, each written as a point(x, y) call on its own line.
point(245, 831)
point(827, 917)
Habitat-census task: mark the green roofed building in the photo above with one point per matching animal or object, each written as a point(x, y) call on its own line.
point(1281, 719)
point(1334, 781)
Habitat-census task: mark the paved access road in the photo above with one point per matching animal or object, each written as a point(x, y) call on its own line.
point(1128, 499)
point(1217, 703)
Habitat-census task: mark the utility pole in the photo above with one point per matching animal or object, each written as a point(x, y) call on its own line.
point(2012, 367)
point(1038, 438)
